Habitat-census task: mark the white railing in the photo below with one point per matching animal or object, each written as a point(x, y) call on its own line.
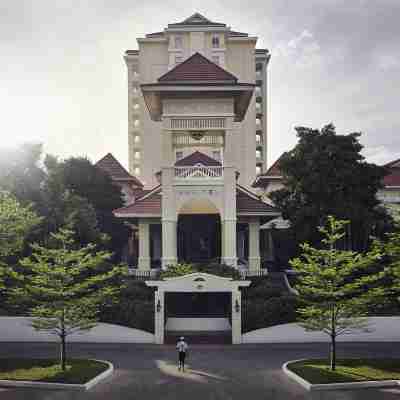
point(197, 123)
point(244, 273)
point(214, 140)
point(198, 172)
point(144, 274)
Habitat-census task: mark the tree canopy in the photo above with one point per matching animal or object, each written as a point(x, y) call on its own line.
point(67, 285)
point(335, 285)
point(326, 174)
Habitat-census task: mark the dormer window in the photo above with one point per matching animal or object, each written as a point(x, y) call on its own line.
point(215, 42)
point(178, 42)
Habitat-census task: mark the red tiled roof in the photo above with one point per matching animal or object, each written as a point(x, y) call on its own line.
point(393, 177)
point(272, 174)
point(247, 203)
point(197, 158)
point(197, 19)
point(198, 68)
point(149, 204)
point(116, 171)
point(250, 204)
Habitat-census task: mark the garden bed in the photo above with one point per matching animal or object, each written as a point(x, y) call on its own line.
point(317, 372)
point(78, 371)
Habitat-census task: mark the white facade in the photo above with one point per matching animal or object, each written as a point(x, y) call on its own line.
point(159, 53)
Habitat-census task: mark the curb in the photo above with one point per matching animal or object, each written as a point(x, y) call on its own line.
point(69, 386)
point(335, 386)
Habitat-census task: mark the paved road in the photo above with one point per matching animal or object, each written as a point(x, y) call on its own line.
point(214, 372)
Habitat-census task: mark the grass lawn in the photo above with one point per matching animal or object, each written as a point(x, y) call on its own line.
point(347, 370)
point(48, 370)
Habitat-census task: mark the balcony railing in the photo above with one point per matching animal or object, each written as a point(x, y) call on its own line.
point(198, 172)
point(197, 123)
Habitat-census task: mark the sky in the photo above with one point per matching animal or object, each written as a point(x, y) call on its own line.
point(63, 79)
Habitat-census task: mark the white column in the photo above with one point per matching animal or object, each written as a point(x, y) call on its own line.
point(169, 218)
point(254, 246)
point(229, 243)
point(169, 243)
point(229, 217)
point(144, 246)
point(159, 309)
point(236, 317)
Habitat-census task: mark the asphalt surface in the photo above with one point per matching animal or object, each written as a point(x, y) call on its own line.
point(214, 372)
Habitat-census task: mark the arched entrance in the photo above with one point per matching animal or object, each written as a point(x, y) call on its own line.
point(199, 232)
point(200, 284)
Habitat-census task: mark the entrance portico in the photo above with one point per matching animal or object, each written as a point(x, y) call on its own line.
point(198, 283)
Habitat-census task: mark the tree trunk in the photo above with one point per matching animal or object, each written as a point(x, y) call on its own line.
point(63, 354)
point(333, 353)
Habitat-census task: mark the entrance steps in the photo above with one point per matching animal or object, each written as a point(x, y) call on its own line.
point(176, 325)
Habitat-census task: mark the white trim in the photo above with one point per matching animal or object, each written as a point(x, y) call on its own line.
point(133, 215)
point(335, 386)
point(242, 38)
point(203, 88)
point(152, 40)
point(69, 386)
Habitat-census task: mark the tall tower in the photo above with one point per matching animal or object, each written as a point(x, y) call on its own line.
point(160, 52)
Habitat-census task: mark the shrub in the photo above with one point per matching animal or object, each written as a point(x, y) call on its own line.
point(134, 307)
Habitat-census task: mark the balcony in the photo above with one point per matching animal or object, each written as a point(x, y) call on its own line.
point(199, 172)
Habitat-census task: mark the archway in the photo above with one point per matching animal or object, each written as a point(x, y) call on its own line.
point(199, 232)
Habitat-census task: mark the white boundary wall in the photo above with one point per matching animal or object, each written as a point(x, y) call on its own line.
point(18, 329)
point(382, 329)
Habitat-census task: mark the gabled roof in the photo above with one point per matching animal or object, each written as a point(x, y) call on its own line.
point(197, 19)
point(392, 179)
point(150, 205)
point(248, 203)
point(116, 171)
point(272, 174)
point(198, 68)
point(197, 158)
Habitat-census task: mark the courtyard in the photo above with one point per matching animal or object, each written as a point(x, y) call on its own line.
point(213, 371)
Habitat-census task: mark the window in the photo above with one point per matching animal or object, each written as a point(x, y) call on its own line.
point(137, 171)
point(178, 59)
point(137, 155)
point(215, 59)
point(178, 42)
point(179, 155)
point(258, 170)
point(258, 153)
point(216, 155)
point(258, 91)
point(258, 67)
point(215, 41)
point(258, 121)
point(258, 138)
point(258, 107)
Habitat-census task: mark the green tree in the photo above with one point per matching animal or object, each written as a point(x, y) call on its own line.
point(326, 174)
point(16, 221)
point(79, 177)
point(67, 285)
point(335, 285)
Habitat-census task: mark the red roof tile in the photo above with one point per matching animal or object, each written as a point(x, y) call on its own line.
point(198, 68)
point(149, 204)
point(247, 203)
point(393, 178)
point(250, 204)
point(116, 171)
point(197, 158)
point(272, 174)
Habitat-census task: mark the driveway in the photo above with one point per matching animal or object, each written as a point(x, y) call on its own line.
point(214, 372)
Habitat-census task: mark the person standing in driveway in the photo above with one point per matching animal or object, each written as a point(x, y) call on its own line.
point(182, 347)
